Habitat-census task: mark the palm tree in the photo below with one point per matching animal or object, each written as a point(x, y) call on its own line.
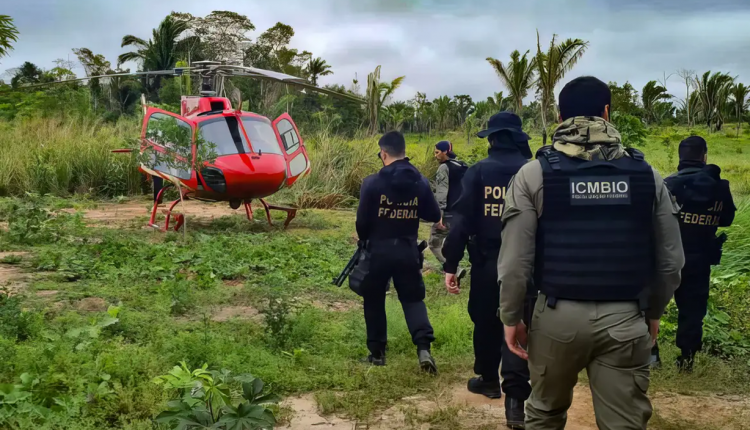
point(713, 91)
point(8, 34)
point(651, 95)
point(318, 67)
point(552, 67)
point(517, 76)
point(443, 106)
point(377, 94)
point(740, 102)
point(162, 51)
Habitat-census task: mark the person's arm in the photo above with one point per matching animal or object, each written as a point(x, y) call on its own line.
point(427, 207)
point(728, 209)
point(461, 226)
point(365, 210)
point(668, 246)
point(516, 261)
point(441, 186)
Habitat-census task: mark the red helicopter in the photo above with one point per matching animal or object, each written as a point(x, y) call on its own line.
point(255, 159)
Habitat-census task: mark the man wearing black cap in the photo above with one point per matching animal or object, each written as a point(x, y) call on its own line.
point(391, 204)
point(447, 191)
point(477, 223)
point(706, 205)
point(595, 228)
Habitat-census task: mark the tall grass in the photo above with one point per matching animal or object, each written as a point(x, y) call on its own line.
point(66, 156)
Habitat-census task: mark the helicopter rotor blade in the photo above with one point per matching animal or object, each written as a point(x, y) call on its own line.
point(112, 75)
point(295, 82)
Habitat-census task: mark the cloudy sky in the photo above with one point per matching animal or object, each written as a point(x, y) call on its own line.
point(439, 45)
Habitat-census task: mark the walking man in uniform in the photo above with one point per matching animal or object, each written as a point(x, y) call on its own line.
point(391, 203)
point(447, 192)
point(706, 204)
point(477, 223)
point(605, 248)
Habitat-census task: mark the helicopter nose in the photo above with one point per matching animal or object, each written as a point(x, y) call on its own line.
point(250, 176)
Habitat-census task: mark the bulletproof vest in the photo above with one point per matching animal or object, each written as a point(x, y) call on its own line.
point(699, 195)
point(456, 171)
point(594, 238)
point(494, 175)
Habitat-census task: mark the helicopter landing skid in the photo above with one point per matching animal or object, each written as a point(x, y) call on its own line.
point(178, 217)
point(290, 212)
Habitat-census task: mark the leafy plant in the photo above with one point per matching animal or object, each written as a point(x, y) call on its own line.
point(279, 319)
point(205, 400)
point(85, 334)
point(16, 323)
point(631, 129)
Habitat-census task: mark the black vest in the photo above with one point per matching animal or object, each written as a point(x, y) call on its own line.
point(456, 171)
point(495, 172)
point(594, 238)
point(700, 197)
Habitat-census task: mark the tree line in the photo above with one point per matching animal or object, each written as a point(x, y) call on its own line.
point(711, 98)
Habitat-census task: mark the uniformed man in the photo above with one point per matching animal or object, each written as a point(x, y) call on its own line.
point(706, 205)
point(391, 204)
point(608, 231)
point(477, 223)
point(447, 192)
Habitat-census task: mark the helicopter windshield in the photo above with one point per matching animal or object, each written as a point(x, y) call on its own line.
point(225, 133)
point(261, 135)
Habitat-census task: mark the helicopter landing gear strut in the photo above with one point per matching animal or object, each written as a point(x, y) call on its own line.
point(290, 212)
point(179, 218)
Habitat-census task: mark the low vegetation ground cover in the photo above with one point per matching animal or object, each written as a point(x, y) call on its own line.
point(95, 313)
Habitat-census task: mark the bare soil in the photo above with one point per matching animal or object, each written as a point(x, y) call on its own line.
point(459, 409)
point(227, 313)
point(115, 215)
point(12, 279)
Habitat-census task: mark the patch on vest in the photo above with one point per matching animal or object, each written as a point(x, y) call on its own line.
point(597, 190)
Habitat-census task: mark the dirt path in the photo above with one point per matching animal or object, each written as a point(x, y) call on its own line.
point(456, 408)
point(115, 215)
point(12, 278)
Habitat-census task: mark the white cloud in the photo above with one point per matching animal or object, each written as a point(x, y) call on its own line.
point(440, 46)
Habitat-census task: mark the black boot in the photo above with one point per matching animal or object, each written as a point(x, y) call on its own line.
point(489, 389)
point(426, 362)
point(514, 414)
point(375, 361)
point(685, 361)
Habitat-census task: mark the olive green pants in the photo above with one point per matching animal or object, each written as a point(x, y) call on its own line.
point(437, 237)
point(608, 339)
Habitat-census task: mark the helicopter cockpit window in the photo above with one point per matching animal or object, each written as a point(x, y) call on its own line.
point(225, 133)
point(155, 130)
point(288, 136)
point(261, 135)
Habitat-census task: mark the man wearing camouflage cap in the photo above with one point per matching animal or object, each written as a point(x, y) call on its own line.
point(605, 249)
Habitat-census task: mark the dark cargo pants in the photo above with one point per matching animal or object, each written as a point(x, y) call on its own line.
point(608, 339)
point(692, 304)
point(397, 259)
point(490, 350)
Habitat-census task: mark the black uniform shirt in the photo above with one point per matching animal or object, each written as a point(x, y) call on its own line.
point(392, 201)
point(470, 208)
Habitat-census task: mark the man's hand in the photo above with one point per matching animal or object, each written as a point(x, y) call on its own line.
point(451, 283)
point(440, 225)
point(515, 337)
point(653, 330)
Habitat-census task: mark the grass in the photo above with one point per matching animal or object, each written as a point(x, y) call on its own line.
point(169, 290)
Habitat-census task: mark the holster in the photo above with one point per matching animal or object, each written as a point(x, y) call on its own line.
point(360, 271)
point(717, 249)
point(476, 255)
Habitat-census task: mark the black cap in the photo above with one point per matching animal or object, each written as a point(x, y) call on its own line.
point(694, 144)
point(505, 121)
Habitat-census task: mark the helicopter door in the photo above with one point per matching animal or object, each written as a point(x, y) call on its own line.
point(297, 161)
point(155, 121)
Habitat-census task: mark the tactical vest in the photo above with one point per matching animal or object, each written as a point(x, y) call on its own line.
point(494, 176)
point(700, 198)
point(456, 171)
point(594, 238)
